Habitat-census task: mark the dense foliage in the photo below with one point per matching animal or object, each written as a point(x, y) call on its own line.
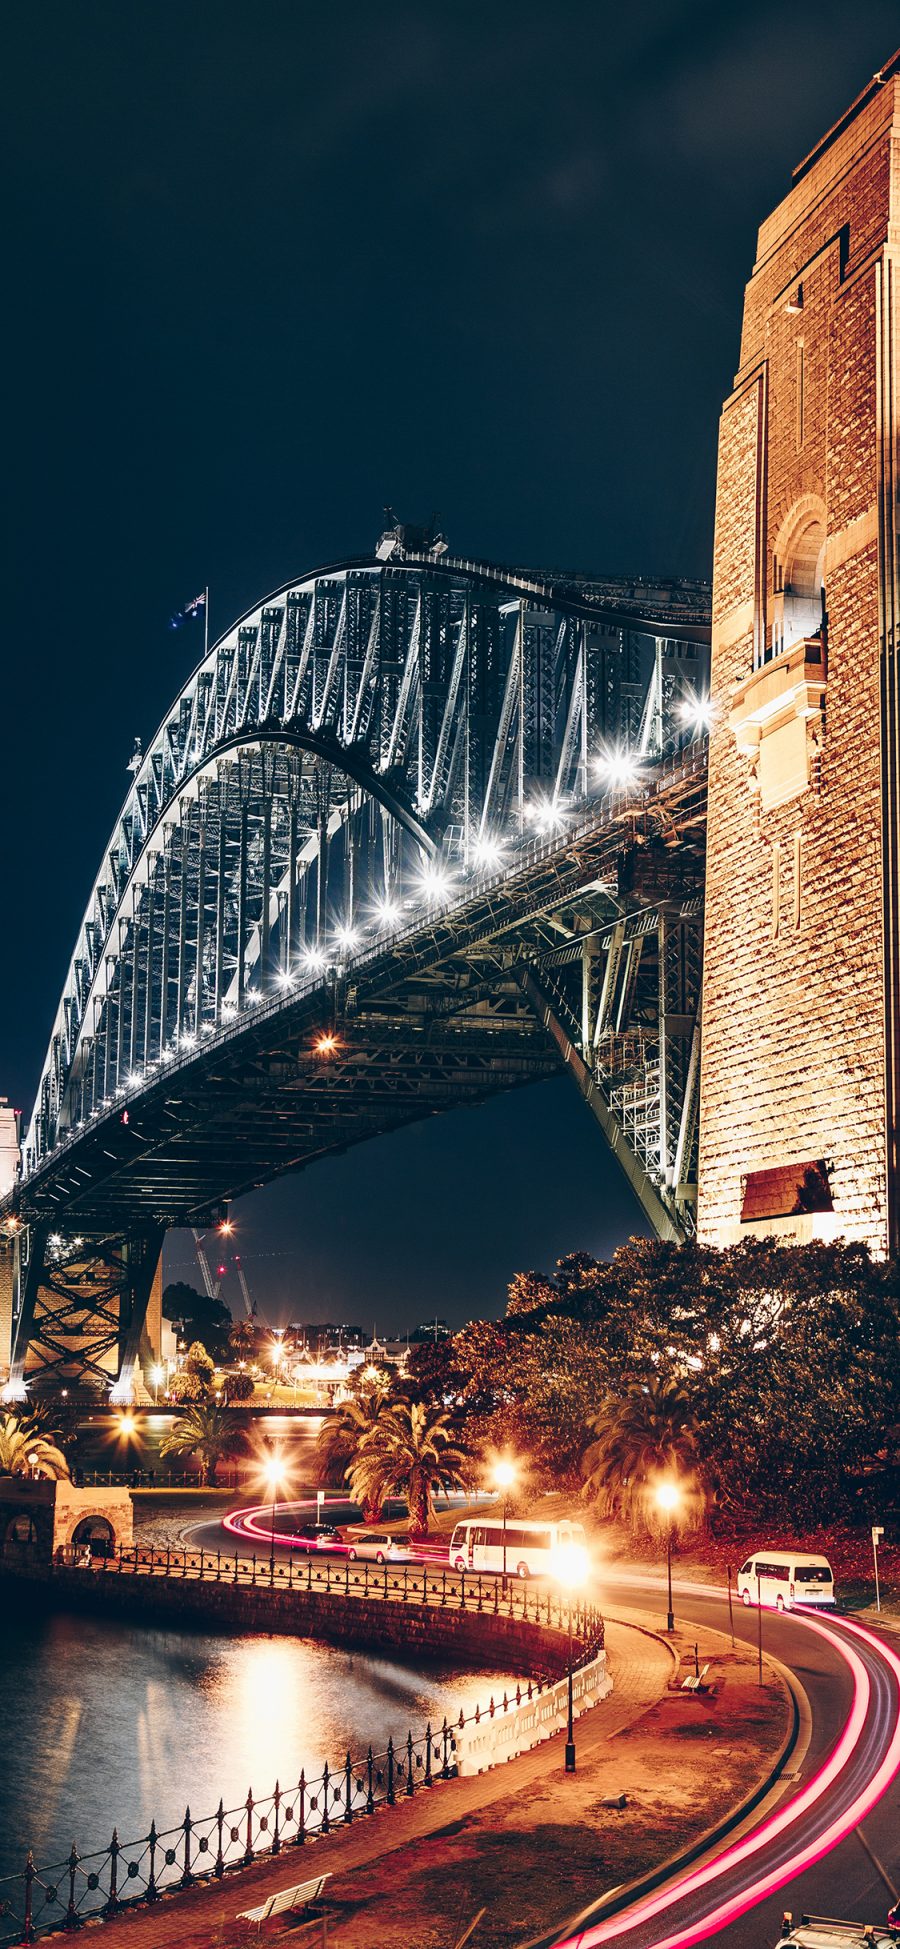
point(210, 1433)
point(787, 1359)
point(27, 1447)
point(196, 1316)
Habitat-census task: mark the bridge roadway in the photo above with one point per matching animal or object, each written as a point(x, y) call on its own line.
point(802, 1850)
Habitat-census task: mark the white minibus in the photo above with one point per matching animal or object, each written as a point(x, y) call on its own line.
point(782, 1578)
point(530, 1547)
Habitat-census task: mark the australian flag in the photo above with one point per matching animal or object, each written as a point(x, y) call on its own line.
point(187, 614)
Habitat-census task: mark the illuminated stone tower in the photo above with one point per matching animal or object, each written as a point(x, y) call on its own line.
point(801, 1011)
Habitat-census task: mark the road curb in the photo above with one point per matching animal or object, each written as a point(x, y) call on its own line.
point(622, 1897)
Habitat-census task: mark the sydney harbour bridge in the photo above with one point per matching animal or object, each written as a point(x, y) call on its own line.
point(416, 830)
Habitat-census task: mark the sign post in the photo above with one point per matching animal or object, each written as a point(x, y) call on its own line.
point(877, 1534)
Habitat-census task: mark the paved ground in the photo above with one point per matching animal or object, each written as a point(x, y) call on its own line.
point(525, 1838)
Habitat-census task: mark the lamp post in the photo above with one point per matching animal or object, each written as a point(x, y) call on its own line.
point(156, 1376)
point(668, 1497)
point(570, 1567)
point(274, 1477)
point(504, 1477)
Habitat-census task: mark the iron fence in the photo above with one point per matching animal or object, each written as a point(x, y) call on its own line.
point(433, 1585)
point(99, 1885)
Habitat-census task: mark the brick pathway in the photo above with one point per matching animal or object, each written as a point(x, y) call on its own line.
point(204, 1917)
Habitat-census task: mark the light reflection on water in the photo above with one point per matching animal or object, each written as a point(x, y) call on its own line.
point(103, 1723)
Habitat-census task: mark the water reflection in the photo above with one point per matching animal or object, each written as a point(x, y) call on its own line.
point(104, 1723)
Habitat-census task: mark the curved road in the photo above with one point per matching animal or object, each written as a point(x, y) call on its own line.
point(806, 1853)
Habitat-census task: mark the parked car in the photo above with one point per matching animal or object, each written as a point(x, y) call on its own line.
point(316, 1536)
point(378, 1547)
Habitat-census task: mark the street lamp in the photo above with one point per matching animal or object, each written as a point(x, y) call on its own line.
point(504, 1477)
point(570, 1567)
point(274, 1473)
point(156, 1376)
point(668, 1497)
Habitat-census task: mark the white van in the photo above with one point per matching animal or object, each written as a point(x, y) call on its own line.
point(530, 1547)
point(783, 1578)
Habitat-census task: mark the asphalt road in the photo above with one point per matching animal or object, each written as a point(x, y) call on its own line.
point(813, 1858)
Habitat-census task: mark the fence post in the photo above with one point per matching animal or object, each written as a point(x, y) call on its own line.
point(389, 1796)
point(218, 1566)
point(152, 1890)
point(276, 1837)
point(370, 1794)
point(71, 1921)
point(301, 1817)
point(248, 1838)
point(28, 1928)
point(385, 1579)
point(253, 1578)
point(201, 1563)
point(325, 1823)
point(235, 1578)
point(445, 1735)
point(114, 1852)
point(428, 1754)
point(188, 1827)
point(443, 1587)
point(480, 1604)
point(219, 1869)
point(410, 1789)
point(405, 1581)
point(348, 1790)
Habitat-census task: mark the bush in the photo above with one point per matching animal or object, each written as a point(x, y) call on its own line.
point(239, 1386)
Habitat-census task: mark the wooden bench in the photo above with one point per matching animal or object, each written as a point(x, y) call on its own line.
point(696, 1682)
point(287, 1902)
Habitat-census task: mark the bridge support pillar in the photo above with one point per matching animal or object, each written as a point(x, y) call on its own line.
point(801, 1018)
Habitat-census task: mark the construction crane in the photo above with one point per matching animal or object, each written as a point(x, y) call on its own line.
point(213, 1286)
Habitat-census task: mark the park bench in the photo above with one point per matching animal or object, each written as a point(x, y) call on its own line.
point(696, 1682)
point(288, 1901)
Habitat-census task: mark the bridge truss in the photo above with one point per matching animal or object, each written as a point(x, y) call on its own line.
point(414, 831)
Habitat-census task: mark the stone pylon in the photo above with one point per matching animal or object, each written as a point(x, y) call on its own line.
point(801, 1013)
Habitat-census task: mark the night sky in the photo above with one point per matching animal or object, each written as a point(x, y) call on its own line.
point(270, 267)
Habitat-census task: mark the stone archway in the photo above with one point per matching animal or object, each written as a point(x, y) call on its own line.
point(799, 575)
point(95, 1535)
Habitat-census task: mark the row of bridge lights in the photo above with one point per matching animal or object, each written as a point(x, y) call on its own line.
point(617, 769)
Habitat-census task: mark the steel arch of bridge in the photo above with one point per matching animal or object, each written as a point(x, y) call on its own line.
point(351, 762)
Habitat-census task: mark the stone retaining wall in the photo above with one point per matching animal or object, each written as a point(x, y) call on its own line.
point(421, 1631)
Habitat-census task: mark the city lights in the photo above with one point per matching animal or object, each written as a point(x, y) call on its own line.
point(326, 1044)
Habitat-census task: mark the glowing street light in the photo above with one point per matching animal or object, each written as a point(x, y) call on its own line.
point(157, 1375)
point(487, 852)
point(326, 1044)
point(347, 937)
point(126, 1424)
point(571, 1567)
point(667, 1497)
point(275, 1474)
point(504, 1476)
point(387, 913)
point(435, 884)
point(314, 959)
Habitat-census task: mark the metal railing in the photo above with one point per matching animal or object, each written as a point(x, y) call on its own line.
point(434, 1585)
point(97, 1886)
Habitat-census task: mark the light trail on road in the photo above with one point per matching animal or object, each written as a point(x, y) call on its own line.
point(803, 1831)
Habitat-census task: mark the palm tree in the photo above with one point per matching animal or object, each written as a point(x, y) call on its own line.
point(210, 1433)
point(647, 1436)
point(343, 1432)
point(25, 1450)
point(412, 1449)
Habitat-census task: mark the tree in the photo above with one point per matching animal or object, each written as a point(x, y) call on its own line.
point(242, 1339)
point(648, 1435)
point(194, 1382)
point(26, 1450)
point(342, 1434)
point(196, 1316)
point(412, 1450)
point(239, 1386)
point(530, 1292)
point(210, 1433)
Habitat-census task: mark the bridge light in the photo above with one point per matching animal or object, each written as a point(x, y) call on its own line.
point(546, 815)
point(616, 769)
point(435, 883)
point(134, 1079)
point(226, 1227)
point(347, 936)
point(487, 852)
point(697, 711)
point(387, 913)
point(314, 958)
point(286, 979)
point(326, 1044)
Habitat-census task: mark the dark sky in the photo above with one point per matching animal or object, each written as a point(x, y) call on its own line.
point(271, 266)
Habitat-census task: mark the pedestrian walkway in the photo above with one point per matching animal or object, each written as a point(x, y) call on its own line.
point(204, 1917)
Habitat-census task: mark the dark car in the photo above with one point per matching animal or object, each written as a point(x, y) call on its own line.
point(316, 1536)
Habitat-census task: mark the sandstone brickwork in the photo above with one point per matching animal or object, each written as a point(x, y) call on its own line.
point(799, 999)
